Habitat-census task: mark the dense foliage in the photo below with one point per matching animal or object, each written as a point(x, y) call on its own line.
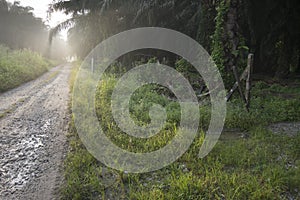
point(249, 162)
point(267, 28)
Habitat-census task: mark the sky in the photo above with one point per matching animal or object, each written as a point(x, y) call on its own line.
point(40, 10)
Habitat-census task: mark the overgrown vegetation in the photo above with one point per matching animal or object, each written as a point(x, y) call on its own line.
point(229, 29)
point(218, 49)
point(20, 66)
point(259, 165)
point(21, 29)
point(251, 163)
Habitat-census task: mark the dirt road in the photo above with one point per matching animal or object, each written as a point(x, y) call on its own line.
point(33, 122)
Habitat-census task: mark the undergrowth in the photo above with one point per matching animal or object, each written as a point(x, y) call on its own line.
point(260, 166)
point(20, 66)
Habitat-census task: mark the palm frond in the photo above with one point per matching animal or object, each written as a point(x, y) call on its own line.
point(66, 24)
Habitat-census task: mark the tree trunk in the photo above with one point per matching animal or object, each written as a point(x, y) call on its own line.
point(232, 33)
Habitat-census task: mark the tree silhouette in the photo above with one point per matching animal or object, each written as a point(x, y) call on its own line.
point(267, 28)
point(20, 29)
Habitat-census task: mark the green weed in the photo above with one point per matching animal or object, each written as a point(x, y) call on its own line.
point(260, 166)
point(17, 67)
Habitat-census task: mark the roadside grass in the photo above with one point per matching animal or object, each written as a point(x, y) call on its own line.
point(20, 66)
point(260, 166)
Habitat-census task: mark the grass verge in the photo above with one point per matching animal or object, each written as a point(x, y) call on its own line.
point(20, 66)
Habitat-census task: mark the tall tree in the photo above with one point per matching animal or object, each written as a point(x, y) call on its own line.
point(94, 21)
point(269, 28)
point(19, 29)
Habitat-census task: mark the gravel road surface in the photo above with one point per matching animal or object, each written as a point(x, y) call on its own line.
point(33, 124)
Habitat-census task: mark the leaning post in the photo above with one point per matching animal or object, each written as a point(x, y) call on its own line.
point(249, 79)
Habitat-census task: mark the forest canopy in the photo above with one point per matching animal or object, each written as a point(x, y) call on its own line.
point(228, 29)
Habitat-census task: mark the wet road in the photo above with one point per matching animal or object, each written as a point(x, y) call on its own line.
point(33, 123)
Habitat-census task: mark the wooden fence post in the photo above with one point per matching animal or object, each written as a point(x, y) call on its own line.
point(249, 79)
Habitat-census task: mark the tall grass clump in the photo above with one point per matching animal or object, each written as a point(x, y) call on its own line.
point(20, 66)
